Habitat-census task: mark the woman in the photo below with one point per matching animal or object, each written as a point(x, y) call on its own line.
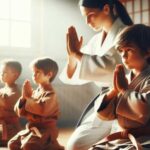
point(109, 17)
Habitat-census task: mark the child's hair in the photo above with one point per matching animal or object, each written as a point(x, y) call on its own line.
point(46, 65)
point(13, 64)
point(136, 35)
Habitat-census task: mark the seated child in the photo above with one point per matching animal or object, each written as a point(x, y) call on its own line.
point(129, 100)
point(9, 94)
point(40, 108)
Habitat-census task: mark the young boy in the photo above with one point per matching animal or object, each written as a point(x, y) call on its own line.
point(40, 108)
point(129, 100)
point(9, 94)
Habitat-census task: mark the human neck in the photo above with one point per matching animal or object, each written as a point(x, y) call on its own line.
point(108, 24)
point(137, 71)
point(45, 86)
point(10, 84)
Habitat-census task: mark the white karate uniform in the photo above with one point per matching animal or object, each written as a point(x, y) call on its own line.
point(97, 64)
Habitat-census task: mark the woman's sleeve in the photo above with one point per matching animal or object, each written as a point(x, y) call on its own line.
point(99, 68)
point(75, 79)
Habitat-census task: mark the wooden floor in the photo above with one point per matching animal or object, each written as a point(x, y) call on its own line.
point(64, 135)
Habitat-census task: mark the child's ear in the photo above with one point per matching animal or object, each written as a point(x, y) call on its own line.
point(50, 74)
point(106, 9)
point(16, 75)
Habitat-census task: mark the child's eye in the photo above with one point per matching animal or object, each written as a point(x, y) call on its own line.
point(4, 73)
point(37, 72)
point(129, 50)
point(119, 50)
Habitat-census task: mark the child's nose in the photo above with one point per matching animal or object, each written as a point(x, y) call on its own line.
point(88, 20)
point(124, 54)
point(34, 75)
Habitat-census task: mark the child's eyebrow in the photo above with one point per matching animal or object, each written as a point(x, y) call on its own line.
point(119, 49)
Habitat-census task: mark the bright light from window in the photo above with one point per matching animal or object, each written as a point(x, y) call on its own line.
point(4, 9)
point(4, 33)
point(20, 9)
point(15, 23)
point(20, 34)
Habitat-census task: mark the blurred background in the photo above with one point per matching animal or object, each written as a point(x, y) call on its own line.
point(36, 28)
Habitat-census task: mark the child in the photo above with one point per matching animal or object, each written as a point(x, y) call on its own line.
point(9, 94)
point(40, 108)
point(129, 100)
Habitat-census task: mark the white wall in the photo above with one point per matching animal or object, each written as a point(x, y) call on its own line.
point(58, 16)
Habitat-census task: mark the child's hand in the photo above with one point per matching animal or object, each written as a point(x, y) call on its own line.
point(27, 89)
point(120, 80)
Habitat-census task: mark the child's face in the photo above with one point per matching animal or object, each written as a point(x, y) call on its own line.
point(132, 57)
point(8, 74)
point(39, 77)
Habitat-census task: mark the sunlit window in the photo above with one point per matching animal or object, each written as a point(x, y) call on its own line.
point(139, 10)
point(15, 23)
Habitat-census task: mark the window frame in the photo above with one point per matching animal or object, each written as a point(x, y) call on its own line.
point(140, 11)
point(36, 33)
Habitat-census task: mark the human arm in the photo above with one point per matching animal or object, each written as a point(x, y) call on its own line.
point(110, 99)
point(70, 73)
point(73, 50)
point(99, 68)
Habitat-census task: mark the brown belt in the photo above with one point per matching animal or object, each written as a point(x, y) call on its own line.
point(130, 134)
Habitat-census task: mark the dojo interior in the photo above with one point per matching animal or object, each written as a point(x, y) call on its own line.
point(37, 28)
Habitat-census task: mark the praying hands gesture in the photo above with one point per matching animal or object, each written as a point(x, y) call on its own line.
point(27, 90)
point(120, 82)
point(73, 50)
point(73, 43)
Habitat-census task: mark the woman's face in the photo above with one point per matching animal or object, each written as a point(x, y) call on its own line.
point(95, 18)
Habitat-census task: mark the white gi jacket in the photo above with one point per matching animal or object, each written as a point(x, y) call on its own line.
point(97, 64)
point(99, 61)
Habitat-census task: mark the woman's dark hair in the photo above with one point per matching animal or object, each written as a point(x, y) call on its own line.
point(136, 35)
point(120, 9)
point(46, 65)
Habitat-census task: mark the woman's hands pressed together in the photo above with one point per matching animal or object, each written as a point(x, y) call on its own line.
point(73, 43)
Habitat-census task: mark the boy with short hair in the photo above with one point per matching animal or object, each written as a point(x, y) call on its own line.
point(40, 108)
point(9, 94)
point(129, 99)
